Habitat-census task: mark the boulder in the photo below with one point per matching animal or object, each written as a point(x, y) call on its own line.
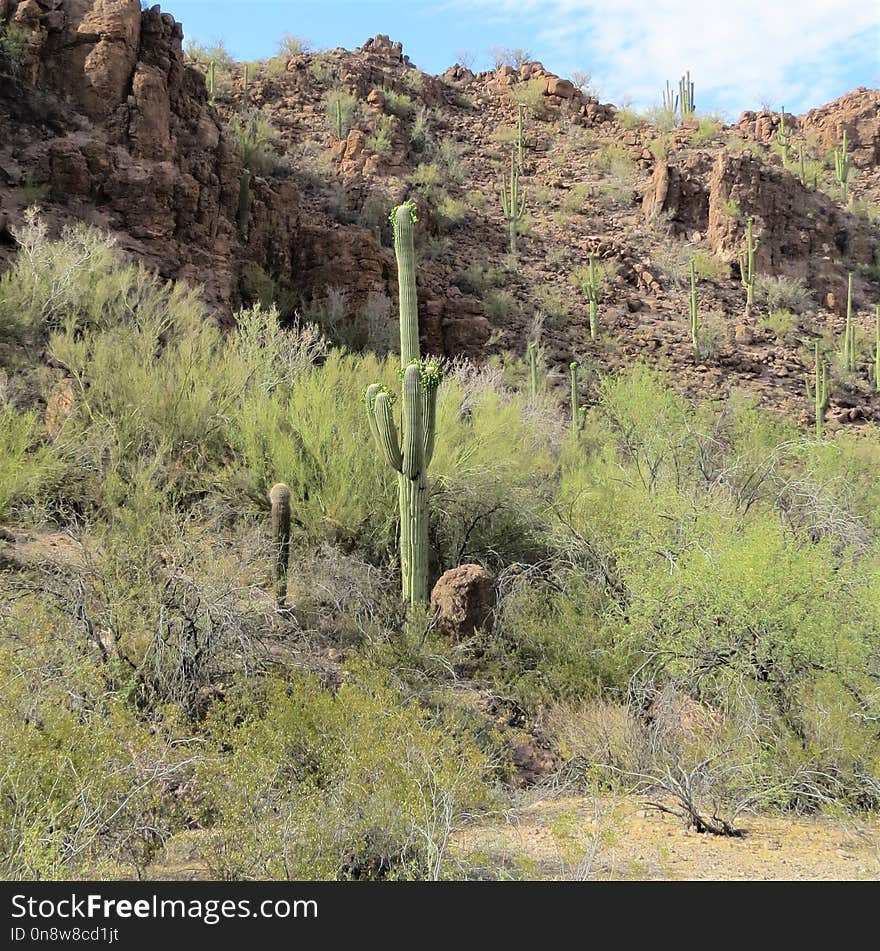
point(464, 600)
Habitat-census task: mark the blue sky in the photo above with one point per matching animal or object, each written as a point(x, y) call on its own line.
point(741, 53)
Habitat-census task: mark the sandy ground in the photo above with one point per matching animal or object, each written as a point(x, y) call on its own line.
point(577, 838)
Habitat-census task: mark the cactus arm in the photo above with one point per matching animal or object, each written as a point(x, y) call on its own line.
point(386, 430)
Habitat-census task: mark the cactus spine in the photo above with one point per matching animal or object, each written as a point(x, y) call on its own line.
point(244, 202)
point(409, 454)
point(686, 95)
point(533, 370)
point(842, 165)
point(695, 317)
point(783, 137)
point(747, 266)
point(513, 205)
point(849, 334)
point(591, 288)
point(821, 391)
point(279, 500)
point(577, 412)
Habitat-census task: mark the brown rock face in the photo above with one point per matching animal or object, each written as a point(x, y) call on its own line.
point(143, 145)
point(802, 232)
point(464, 600)
point(93, 47)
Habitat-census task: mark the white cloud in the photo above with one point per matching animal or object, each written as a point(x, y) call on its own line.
point(740, 53)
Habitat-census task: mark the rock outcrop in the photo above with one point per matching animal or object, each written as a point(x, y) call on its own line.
point(464, 600)
point(141, 151)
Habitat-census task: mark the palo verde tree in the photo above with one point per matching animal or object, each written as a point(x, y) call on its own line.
point(409, 453)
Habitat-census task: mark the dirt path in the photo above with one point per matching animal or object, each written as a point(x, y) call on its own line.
point(575, 838)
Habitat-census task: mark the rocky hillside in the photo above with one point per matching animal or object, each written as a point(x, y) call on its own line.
point(275, 184)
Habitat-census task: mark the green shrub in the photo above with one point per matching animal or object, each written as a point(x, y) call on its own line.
point(255, 138)
point(341, 111)
point(25, 466)
point(531, 95)
point(782, 293)
point(14, 44)
point(707, 266)
point(782, 323)
point(576, 198)
point(382, 138)
point(707, 131)
point(630, 119)
point(291, 46)
point(321, 70)
point(351, 785)
point(500, 304)
point(398, 104)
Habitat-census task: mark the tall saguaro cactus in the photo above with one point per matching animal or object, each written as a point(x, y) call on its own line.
point(747, 266)
point(783, 137)
point(534, 355)
point(513, 204)
point(408, 453)
point(670, 104)
point(590, 285)
point(849, 334)
point(842, 165)
point(686, 95)
point(694, 312)
point(820, 385)
point(279, 500)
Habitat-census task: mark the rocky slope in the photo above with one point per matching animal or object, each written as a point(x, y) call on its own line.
point(106, 121)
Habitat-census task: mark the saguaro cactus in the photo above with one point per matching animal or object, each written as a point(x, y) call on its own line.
point(670, 103)
point(694, 313)
point(279, 500)
point(591, 286)
point(747, 266)
point(533, 351)
point(820, 386)
point(338, 119)
point(212, 79)
point(686, 95)
point(842, 165)
point(513, 204)
point(783, 137)
point(408, 454)
point(849, 334)
point(244, 88)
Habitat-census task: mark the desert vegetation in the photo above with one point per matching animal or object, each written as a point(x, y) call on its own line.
point(688, 594)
